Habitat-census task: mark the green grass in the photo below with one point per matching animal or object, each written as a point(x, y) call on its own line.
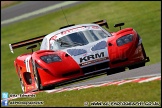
point(143, 16)
point(130, 92)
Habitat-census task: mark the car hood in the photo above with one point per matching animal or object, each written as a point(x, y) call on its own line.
point(90, 54)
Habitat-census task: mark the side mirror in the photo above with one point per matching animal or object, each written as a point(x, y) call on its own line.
point(119, 25)
point(31, 47)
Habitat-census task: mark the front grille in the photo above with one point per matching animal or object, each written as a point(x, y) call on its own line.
point(70, 73)
point(95, 67)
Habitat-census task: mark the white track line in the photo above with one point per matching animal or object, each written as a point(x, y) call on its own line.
point(118, 82)
point(152, 75)
point(150, 79)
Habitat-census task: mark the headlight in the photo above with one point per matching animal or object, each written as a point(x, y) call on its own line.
point(125, 39)
point(50, 58)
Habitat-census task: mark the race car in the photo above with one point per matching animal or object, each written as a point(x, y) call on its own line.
point(75, 51)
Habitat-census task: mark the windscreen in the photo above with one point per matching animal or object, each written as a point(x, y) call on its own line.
point(77, 38)
point(80, 37)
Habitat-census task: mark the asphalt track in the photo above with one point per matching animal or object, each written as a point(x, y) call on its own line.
point(30, 6)
point(150, 70)
point(30, 9)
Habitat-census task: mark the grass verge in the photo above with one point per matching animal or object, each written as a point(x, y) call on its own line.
point(148, 93)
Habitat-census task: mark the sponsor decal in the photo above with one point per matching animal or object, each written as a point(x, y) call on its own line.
point(53, 38)
point(73, 30)
point(93, 61)
point(92, 57)
point(30, 87)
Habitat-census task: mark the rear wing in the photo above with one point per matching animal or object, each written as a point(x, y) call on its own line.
point(102, 23)
point(25, 42)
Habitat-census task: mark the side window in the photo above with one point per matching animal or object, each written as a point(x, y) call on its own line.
point(102, 34)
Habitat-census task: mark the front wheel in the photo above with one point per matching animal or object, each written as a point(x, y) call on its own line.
point(36, 76)
point(115, 70)
point(21, 81)
point(136, 66)
point(37, 81)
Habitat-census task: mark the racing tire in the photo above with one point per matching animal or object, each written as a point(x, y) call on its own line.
point(115, 70)
point(136, 66)
point(50, 87)
point(37, 80)
point(21, 82)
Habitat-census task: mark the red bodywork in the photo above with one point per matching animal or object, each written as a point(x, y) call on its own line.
point(127, 54)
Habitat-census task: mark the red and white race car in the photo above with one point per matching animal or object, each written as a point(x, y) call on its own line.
point(75, 51)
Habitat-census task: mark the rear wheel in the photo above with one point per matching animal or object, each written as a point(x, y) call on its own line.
point(21, 83)
point(36, 76)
